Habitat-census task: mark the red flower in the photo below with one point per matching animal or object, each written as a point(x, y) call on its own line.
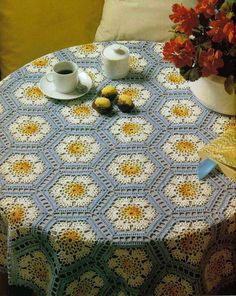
point(222, 28)
point(210, 61)
point(186, 17)
point(230, 31)
point(207, 7)
point(217, 27)
point(180, 52)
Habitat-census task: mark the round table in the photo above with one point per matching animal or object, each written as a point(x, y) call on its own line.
point(111, 205)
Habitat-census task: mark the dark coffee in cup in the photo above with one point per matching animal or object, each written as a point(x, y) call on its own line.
point(65, 72)
point(64, 76)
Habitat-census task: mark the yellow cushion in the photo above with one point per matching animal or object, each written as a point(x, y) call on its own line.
point(137, 19)
point(31, 28)
point(222, 151)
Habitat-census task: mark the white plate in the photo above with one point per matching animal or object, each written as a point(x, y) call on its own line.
point(49, 89)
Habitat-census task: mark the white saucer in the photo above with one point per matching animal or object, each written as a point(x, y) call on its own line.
point(49, 89)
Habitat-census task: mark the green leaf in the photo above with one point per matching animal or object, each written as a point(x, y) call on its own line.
point(190, 74)
point(227, 6)
point(232, 51)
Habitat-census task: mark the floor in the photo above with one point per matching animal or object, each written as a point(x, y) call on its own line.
point(230, 290)
point(6, 290)
point(16, 291)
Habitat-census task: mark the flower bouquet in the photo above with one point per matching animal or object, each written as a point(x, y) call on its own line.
point(204, 41)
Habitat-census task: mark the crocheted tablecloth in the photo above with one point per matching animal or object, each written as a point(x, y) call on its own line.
point(111, 205)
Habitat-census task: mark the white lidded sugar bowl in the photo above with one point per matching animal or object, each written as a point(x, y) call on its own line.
point(115, 60)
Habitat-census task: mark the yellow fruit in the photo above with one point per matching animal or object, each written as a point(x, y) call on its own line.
point(109, 90)
point(102, 102)
point(125, 100)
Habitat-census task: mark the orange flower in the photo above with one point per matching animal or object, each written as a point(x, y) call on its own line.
point(230, 31)
point(186, 18)
point(217, 27)
point(207, 7)
point(179, 51)
point(210, 61)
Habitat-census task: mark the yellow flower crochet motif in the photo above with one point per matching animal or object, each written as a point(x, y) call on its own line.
point(87, 48)
point(219, 267)
point(16, 215)
point(79, 113)
point(132, 211)
point(20, 214)
point(90, 50)
point(78, 149)
point(29, 128)
point(171, 79)
point(22, 168)
point(131, 214)
point(134, 168)
point(183, 147)
point(136, 129)
point(133, 265)
point(187, 241)
point(30, 94)
point(130, 169)
point(74, 191)
point(89, 283)
point(172, 285)
point(181, 111)
point(34, 267)
point(43, 64)
point(33, 92)
point(188, 191)
point(72, 240)
point(175, 78)
point(82, 111)
point(131, 128)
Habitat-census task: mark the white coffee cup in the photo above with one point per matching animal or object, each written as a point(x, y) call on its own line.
point(64, 76)
point(115, 60)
